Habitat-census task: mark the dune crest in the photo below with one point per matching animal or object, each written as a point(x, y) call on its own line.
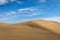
point(53, 26)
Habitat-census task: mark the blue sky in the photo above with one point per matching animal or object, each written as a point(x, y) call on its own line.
point(13, 11)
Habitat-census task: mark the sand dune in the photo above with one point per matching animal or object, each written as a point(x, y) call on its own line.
point(52, 26)
point(32, 30)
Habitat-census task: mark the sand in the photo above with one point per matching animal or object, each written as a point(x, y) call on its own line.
point(32, 30)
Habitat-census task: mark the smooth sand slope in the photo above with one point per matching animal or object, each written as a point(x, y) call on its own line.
point(33, 30)
point(52, 26)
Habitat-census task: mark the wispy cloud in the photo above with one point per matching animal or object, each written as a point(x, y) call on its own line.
point(2, 2)
point(25, 12)
point(34, 14)
point(4, 18)
point(54, 18)
point(10, 13)
point(17, 1)
point(29, 11)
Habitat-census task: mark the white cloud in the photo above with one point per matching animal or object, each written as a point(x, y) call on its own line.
point(55, 18)
point(19, 2)
point(23, 9)
point(13, 12)
point(10, 13)
point(3, 18)
point(20, 12)
point(34, 14)
point(2, 2)
point(31, 9)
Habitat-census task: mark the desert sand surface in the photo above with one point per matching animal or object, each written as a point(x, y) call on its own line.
point(32, 30)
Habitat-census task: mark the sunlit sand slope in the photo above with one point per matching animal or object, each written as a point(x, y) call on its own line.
point(26, 31)
point(52, 26)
